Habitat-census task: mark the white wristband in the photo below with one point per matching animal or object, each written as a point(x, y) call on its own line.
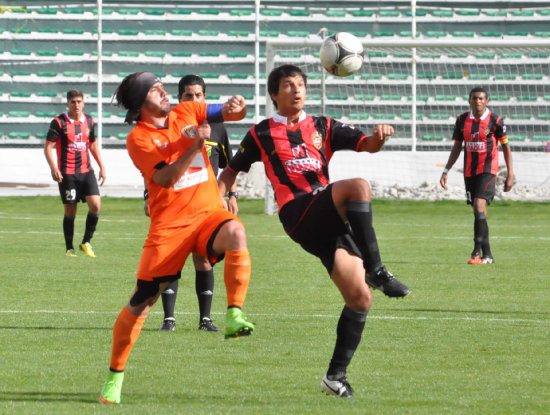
point(445, 170)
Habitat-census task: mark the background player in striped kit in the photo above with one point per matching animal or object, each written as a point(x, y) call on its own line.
point(480, 130)
point(72, 134)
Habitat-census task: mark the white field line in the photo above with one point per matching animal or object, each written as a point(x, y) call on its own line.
point(300, 316)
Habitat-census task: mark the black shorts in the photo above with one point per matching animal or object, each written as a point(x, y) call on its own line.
point(75, 187)
point(481, 186)
point(313, 222)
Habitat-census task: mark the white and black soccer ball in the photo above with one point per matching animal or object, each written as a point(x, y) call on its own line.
point(342, 54)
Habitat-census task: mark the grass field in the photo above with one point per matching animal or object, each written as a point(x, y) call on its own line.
point(467, 340)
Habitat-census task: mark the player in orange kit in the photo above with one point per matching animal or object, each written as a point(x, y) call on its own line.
point(186, 210)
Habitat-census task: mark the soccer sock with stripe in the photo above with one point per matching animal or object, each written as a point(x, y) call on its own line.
point(169, 297)
point(91, 222)
point(348, 335)
point(359, 215)
point(236, 275)
point(204, 287)
point(125, 333)
point(68, 231)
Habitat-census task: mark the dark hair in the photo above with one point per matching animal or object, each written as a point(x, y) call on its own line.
point(190, 80)
point(478, 89)
point(74, 93)
point(279, 73)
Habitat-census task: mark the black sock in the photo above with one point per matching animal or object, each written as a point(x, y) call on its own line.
point(359, 215)
point(91, 222)
point(204, 287)
point(169, 296)
point(481, 233)
point(348, 335)
point(68, 231)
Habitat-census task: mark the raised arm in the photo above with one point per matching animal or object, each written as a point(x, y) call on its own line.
point(234, 109)
point(376, 141)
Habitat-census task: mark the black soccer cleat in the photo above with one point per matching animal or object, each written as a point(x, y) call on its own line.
point(207, 325)
point(169, 324)
point(336, 387)
point(383, 280)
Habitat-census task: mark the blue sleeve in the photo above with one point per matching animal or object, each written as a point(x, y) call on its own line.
point(214, 113)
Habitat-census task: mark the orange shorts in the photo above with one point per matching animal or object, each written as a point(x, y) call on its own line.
point(165, 252)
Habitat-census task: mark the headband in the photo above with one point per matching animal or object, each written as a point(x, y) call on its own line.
point(138, 92)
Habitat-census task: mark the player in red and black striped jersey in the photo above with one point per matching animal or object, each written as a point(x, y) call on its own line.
point(481, 131)
point(332, 221)
point(73, 136)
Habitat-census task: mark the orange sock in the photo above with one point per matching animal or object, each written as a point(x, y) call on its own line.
point(236, 275)
point(125, 333)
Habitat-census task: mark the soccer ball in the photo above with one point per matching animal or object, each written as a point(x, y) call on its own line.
point(342, 54)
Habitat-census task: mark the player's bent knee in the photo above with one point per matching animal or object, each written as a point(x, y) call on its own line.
point(146, 293)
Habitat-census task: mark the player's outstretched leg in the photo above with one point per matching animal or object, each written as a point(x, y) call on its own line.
point(359, 213)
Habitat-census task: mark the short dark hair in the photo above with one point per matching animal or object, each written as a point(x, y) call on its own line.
point(190, 80)
point(279, 73)
point(478, 89)
point(74, 93)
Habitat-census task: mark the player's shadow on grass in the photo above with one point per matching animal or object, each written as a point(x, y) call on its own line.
point(31, 396)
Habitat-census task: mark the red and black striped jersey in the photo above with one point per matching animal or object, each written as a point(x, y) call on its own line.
point(481, 137)
point(72, 138)
point(295, 158)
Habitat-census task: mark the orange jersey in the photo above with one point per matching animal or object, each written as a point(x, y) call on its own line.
point(150, 148)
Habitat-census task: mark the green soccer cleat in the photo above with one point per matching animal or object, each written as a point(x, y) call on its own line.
point(112, 388)
point(87, 248)
point(236, 324)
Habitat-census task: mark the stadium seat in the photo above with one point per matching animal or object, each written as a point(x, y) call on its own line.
point(237, 75)
point(365, 97)
point(526, 13)
point(459, 55)
point(248, 96)
point(155, 53)
point(179, 32)
point(384, 116)
point(443, 13)
point(371, 76)
point(20, 94)
point(445, 97)
point(20, 30)
point(19, 114)
point(155, 32)
point(468, 12)
point(237, 12)
point(452, 75)
point(517, 33)
point(297, 33)
point(290, 54)
point(128, 53)
point(390, 97)
point(314, 75)
point(19, 135)
point(479, 76)
point(269, 12)
point(20, 73)
point(359, 34)
point(46, 11)
point(432, 137)
point(181, 54)
point(122, 136)
point(21, 52)
point(436, 33)
point(73, 10)
point(315, 97)
point(437, 116)
point(511, 55)
point(48, 94)
point(155, 12)
point(388, 13)
point(74, 74)
point(269, 33)
point(128, 11)
point(419, 97)
point(430, 55)
point(209, 11)
point(541, 137)
point(47, 30)
point(104, 11)
point(383, 33)
point(496, 13)
point(517, 137)
point(408, 116)
point(210, 54)
point(419, 12)
point(463, 34)
point(532, 76)
point(543, 116)
point(491, 34)
point(485, 55)
point(105, 94)
point(335, 13)
point(181, 11)
point(359, 116)
point(300, 13)
point(505, 77)
point(210, 75)
point(41, 135)
point(44, 52)
point(47, 114)
point(73, 31)
point(542, 34)
point(500, 97)
point(377, 54)
point(362, 13)
point(405, 55)
point(103, 53)
point(521, 116)
point(427, 75)
point(337, 97)
point(542, 55)
point(526, 97)
point(73, 52)
point(105, 114)
point(128, 32)
point(239, 33)
point(208, 33)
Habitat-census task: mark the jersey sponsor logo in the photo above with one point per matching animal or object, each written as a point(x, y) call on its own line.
point(160, 144)
point(301, 161)
point(317, 139)
point(189, 131)
point(78, 146)
point(195, 174)
point(475, 145)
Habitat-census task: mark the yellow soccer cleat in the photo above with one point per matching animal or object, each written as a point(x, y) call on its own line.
point(87, 248)
point(70, 252)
